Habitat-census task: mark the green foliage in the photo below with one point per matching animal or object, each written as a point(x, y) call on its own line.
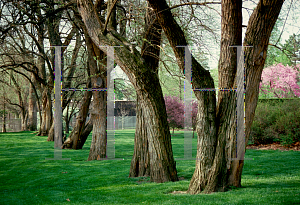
point(273, 177)
point(2, 112)
point(119, 86)
point(276, 122)
point(275, 55)
point(292, 48)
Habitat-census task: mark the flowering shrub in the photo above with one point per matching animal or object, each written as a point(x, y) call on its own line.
point(175, 112)
point(281, 81)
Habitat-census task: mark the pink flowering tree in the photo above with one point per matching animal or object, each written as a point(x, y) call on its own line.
point(175, 112)
point(280, 81)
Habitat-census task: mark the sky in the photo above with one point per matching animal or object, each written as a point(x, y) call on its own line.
point(291, 26)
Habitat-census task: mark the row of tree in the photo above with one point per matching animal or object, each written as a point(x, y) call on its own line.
point(136, 28)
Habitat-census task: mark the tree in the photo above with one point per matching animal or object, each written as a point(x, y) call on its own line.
point(147, 86)
point(215, 124)
point(140, 163)
point(281, 81)
point(292, 48)
point(32, 107)
point(74, 140)
point(122, 114)
point(3, 114)
point(30, 24)
point(175, 112)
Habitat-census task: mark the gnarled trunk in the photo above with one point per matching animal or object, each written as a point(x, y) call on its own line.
point(140, 163)
point(99, 137)
point(146, 83)
point(216, 128)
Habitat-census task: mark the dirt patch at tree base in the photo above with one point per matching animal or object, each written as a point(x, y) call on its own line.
point(179, 192)
point(275, 146)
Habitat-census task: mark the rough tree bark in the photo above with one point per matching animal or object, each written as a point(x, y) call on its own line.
point(140, 163)
point(99, 109)
point(260, 26)
point(214, 171)
point(231, 35)
point(206, 124)
point(47, 115)
point(146, 83)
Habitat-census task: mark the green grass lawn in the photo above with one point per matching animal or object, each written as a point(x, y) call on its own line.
point(273, 177)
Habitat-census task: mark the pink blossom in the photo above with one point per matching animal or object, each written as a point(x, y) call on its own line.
point(281, 81)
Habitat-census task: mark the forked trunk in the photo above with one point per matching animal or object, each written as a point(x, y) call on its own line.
point(146, 83)
point(75, 136)
point(214, 169)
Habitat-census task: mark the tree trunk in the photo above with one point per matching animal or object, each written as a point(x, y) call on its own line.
point(146, 83)
point(206, 124)
point(23, 120)
point(84, 135)
point(140, 163)
point(216, 130)
point(67, 121)
point(51, 133)
point(99, 110)
point(260, 26)
point(231, 34)
point(32, 108)
point(47, 117)
point(75, 137)
point(4, 118)
point(22, 103)
point(99, 137)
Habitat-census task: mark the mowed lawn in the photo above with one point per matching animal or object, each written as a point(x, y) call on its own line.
point(273, 177)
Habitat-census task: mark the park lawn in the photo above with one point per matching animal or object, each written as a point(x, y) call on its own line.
point(273, 177)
